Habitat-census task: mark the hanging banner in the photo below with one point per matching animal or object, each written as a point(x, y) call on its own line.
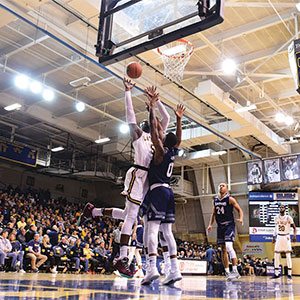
point(18, 154)
point(294, 60)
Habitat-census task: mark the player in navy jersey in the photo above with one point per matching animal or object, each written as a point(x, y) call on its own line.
point(223, 205)
point(160, 211)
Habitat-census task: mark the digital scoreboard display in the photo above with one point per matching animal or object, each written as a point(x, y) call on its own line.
point(263, 207)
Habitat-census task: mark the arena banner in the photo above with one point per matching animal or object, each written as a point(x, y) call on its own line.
point(272, 168)
point(255, 172)
point(192, 266)
point(253, 249)
point(294, 57)
point(290, 167)
point(18, 154)
point(263, 207)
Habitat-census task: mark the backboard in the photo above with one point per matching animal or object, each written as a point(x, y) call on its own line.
point(130, 27)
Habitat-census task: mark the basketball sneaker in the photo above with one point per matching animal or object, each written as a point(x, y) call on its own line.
point(289, 277)
point(151, 275)
point(167, 269)
point(172, 277)
point(227, 275)
point(233, 275)
point(86, 213)
point(275, 276)
point(122, 266)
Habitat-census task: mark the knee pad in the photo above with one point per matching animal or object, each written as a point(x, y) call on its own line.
point(131, 215)
point(230, 250)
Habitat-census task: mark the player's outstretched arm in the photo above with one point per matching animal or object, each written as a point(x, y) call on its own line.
point(234, 203)
point(179, 114)
point(135, 131)
point(157, 142)
point(212, 219)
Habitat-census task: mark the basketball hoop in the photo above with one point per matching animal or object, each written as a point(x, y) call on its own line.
point(175, 56)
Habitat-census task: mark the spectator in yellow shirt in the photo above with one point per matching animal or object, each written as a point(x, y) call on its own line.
point(21, 223)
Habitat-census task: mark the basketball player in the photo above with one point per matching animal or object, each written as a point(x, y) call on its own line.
point(160, 211)
point(223, 205)
point(136, 183)
point(255, 174)
point(282, 240)
point(273, 172)
point(136, 247)
point(291, 169)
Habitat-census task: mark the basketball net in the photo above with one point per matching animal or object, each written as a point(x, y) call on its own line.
point(175, 56)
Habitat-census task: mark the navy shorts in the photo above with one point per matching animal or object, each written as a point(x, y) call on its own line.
point(225, 233)
point(145, 205)
point(159, 205)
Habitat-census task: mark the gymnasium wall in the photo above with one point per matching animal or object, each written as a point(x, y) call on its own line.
point(103, 193)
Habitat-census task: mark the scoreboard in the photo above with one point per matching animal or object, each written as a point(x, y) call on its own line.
point(263, 207)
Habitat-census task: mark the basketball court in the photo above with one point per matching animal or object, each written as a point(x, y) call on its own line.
point(232, 63)
point(45, 286)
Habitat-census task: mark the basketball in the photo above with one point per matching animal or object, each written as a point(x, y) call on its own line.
point(134, 70)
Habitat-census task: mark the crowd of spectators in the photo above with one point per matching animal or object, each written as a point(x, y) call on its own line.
point(38, 232)
point(247, 265)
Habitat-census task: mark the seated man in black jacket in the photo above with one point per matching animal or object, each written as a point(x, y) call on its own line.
point(60, 253)
point(76, 255)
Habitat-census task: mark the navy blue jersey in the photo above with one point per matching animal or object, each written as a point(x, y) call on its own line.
point(223, 210)
point(162, 173)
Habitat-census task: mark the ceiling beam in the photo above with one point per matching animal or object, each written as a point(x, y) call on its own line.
point(243, 4)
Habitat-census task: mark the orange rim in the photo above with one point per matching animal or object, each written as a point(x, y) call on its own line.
point(178, 56)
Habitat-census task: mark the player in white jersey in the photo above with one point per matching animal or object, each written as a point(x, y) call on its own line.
point(136, 181)
point(282, 240)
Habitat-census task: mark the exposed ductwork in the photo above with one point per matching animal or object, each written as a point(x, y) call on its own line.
point(249, 124)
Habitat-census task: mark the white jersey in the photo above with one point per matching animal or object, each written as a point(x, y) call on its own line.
point(136, 180)
point(283, 224)
point(283, 227)
point(143, 151)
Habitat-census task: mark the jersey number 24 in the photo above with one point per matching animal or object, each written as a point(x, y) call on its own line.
point(220, 210)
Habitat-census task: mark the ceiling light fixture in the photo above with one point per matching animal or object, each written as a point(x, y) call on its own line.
point(124, 128)
point(102, 140)
point(80, 106)
point(229, 66)
point(57, 149)
point(48, 95)
point(36, 87)
point(15, 106)
point(22, 82)
point(289, 120)
point(280, 117)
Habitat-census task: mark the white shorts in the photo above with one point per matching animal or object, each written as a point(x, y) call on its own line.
point(136, 185)
point(283, 243)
